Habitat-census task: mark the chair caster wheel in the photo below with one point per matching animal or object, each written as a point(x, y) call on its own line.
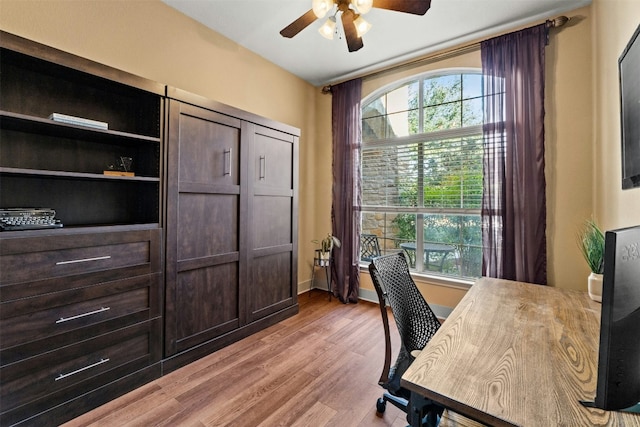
point(381, 405)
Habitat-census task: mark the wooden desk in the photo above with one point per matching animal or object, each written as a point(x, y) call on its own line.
point(513, 353)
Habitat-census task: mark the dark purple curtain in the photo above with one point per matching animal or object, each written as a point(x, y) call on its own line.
point(345, 209)
point(514, 201)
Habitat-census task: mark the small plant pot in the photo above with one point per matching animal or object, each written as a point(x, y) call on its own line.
point(324, 258)
point(595, 286)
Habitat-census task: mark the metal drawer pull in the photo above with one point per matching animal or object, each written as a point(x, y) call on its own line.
point(66, 319)
point(263, 168)
point(77, 371)
point(73, 261)
point(227, 162)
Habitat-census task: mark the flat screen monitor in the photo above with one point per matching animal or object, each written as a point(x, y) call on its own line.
point(628, 65)
point(618, 385)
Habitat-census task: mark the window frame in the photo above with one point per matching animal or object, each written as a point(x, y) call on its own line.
point(421, 137)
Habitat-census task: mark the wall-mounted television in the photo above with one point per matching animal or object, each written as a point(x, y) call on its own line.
point(629, 70)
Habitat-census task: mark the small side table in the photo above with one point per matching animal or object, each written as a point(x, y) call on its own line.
point(324, 263)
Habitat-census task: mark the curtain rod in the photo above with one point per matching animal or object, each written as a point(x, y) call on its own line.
point(550, 23)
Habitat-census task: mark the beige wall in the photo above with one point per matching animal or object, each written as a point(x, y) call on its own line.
point(321, 186)
point(569, 153)
point(152, 40)
point(614, 24)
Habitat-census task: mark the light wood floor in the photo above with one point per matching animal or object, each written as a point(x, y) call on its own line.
point(318, 368)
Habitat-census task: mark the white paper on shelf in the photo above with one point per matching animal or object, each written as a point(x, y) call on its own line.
point(72, 120)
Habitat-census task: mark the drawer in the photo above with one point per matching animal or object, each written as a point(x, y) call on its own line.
point(31, 266)
point(59, 375)
point(30, 259)
point(55, 313)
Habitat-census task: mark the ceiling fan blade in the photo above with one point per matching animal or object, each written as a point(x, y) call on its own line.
point(350, 33)
point(299, 24)
point(417, 7)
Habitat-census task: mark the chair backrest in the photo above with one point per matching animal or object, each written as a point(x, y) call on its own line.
point(369, 247)
point(415, 320)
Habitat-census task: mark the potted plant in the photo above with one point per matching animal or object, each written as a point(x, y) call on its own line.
point(326, 246)
point(591, 243)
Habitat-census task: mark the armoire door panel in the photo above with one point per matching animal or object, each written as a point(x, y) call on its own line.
point(272, 204)
point(206, 174)
point(213, 152)
point(195, 263)
point(271, 221)
point(207, 225)
point(207, 298)
point(273, 161)
point(270, 283)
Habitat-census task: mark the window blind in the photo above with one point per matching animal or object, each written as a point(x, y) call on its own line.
point(439, 175)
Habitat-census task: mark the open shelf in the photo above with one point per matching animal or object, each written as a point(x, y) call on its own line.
point(38, 125)
point(84, 202)
point(38, 88)
point(74, 175)
point(47, 163)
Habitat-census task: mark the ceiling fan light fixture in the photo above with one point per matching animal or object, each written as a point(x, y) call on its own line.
point(362, 6)
point(321, 7)
point(328, 28)
point(362, 26)
point(352, 26)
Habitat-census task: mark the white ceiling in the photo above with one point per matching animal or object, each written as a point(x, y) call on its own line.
point(394, 37)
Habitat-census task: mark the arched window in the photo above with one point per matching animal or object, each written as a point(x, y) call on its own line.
point(422, 171)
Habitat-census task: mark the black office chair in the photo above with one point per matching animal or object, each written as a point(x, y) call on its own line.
point(369, 247)
point(416, 324)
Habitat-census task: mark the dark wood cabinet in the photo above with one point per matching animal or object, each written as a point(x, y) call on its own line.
point(52, 164)
point(193, 249)
point(77, 316)
point(80, 306)
point(231, 225)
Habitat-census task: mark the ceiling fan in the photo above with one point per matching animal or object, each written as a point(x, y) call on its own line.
point(351, 11)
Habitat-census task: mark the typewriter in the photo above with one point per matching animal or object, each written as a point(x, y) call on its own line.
point(15, 219)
